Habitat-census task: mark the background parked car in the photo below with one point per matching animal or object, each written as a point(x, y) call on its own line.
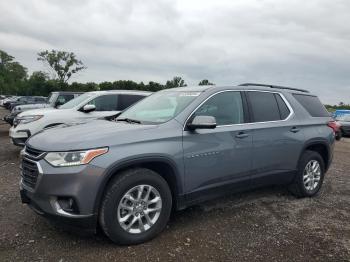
point(55, 100)
point(7, 101)
point(336, 126)
point(27, 100)
point(344, 122)
point(341, 112)
point(84, 108)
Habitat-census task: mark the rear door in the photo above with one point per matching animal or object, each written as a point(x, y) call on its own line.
point(277, 139)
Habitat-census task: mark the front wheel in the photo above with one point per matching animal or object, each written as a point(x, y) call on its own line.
point(310, 175)
point(136, 206)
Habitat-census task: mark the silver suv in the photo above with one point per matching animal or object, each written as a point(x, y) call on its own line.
point(173, 149)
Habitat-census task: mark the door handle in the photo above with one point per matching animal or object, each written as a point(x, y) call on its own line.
point(294, 129)
point(242, 135)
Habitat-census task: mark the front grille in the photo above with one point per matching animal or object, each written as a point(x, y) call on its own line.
point(30, 172)
point(33, 152)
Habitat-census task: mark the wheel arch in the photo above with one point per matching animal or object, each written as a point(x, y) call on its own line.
point(322, 147)
point(165, 167)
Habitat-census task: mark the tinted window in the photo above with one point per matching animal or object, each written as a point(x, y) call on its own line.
point(68, 97)
point(105, 103)
point(264, 106)
point(127, 100)
point(284, 110)
point(312, 104)
point(62, 99)
point(226, 107)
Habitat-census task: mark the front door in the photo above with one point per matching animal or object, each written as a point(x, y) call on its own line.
point(106, 105)
point(220, 156)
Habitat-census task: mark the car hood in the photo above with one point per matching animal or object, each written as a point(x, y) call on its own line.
point(34, 106)
point(41, 111)
point(93, 134)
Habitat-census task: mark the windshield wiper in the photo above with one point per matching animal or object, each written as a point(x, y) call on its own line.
point(129, 120)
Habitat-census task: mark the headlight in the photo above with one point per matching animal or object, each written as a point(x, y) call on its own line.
point(28, 119)
point(75, 158)
point(15, 109)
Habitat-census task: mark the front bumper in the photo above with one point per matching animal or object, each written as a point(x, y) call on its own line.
point(80, 183)
point(86, 223)
point(9, 119)
point(19, 137)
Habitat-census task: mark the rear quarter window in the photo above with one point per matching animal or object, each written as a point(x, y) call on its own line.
point(312, 105)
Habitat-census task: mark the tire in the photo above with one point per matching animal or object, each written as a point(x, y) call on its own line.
point(112, 211)
point(338, 135)
point(298, 187)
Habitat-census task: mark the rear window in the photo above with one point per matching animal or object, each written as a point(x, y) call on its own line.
point(127, 100)
point(312, 104)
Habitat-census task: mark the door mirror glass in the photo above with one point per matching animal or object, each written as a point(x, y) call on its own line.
point(89, 108)
point(202, 122)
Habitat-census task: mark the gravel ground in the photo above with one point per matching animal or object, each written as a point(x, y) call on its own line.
point(264, 225)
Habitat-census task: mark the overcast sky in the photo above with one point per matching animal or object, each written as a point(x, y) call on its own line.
point(298, 43)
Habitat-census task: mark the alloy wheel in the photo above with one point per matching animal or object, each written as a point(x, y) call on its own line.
point(139, 209)
point(312, 175)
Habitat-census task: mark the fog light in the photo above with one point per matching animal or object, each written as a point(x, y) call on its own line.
point(68, 204)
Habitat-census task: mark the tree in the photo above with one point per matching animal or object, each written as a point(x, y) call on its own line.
point(12, 74)
point(177, 81)
point(205, 82)
point(154, 86)
point(5, 58)
point(62, 64)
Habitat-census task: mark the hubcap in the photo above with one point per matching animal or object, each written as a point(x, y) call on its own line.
point(139, 209)
point(312, 175)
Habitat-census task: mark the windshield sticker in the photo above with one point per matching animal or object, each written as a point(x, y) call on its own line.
point(190, 94)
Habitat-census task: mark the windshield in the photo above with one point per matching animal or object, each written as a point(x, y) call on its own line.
point(51, 99)
point(76, 101)
point(160, 107)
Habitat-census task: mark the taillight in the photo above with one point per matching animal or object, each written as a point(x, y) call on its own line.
point(333, 125)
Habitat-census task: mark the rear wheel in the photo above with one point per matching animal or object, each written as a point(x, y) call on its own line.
point(338, 135)
point(310, 175)
point(136, 206)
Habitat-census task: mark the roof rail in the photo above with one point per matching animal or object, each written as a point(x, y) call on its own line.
point(274, 86)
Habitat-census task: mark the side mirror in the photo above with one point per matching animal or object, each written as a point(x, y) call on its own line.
point(89, 108)
point(202, 122)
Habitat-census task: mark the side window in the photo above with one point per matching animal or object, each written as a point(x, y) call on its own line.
point(62, 99)
point(68, 97)
point(105, 103)
point(263, 106)
point(312, 104)
point(226, 107)
point(284, 110)
point(127, 100)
